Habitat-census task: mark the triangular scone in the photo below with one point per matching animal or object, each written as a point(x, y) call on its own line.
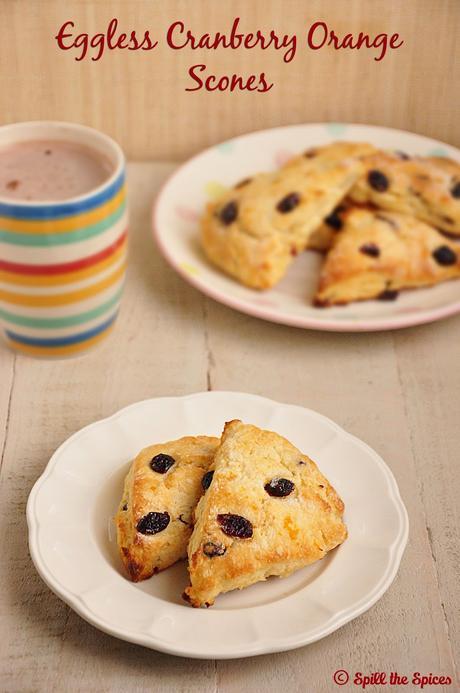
point(254, 230)
point(378, 253)
point(154, 520)
point(268, 511)
point(427, 188)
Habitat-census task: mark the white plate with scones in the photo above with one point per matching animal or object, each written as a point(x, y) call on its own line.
point(282, 549)
point(323, 226)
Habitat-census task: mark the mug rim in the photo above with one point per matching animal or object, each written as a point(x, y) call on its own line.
point(69, 125)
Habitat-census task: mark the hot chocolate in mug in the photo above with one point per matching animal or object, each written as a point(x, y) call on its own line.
point(63, 236)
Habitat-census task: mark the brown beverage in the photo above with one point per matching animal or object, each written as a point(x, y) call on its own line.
point(50, 170)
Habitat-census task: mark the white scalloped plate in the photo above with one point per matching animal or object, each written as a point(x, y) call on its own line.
point(71, 536)
point(182, 199)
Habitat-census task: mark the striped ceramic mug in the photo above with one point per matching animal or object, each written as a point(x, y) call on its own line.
point(62, 264)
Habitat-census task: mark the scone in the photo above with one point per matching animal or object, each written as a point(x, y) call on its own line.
point(428, 189)
point(254, 230)
point(377, 253)
point(154, 520)
point(268, 511)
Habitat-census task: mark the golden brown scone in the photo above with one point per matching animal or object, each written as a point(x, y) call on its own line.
point(254, 230)
point(377, 253)
point(268, 511)
point(427, 188)
point(154, 520)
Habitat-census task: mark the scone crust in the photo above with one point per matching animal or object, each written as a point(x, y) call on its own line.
point(257, 247)
point(401, 254)
point(422, 187)
point(288, 533)
point(175, 492)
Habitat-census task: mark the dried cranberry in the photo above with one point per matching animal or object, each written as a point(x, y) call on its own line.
point(152, 523)
point(161, 463)
point(288, 203)
point(333, 220)
point(279, 487)
point(455, 190)
point(206, 480)
point(388, 295)
point(378, 180)
point(370, 249)
point(235, 526)
point(445, 255)
point(229, 213)
point(211, 549)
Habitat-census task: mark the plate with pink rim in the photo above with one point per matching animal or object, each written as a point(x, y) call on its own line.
point(181, 201)
point(72, 538)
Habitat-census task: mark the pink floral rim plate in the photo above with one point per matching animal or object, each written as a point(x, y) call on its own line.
point(182, 199)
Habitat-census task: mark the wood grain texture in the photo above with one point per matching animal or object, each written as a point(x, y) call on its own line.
point(397, 391)
point(140, 98)
point(7, 371)
point(431, 412)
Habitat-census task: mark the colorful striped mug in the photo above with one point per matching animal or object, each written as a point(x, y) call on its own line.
point(62, 264)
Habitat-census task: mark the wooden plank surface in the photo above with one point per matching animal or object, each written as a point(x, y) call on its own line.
point(139, 97)
point(397, 391)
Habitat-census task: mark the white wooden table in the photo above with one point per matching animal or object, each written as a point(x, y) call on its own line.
point(398, 391)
